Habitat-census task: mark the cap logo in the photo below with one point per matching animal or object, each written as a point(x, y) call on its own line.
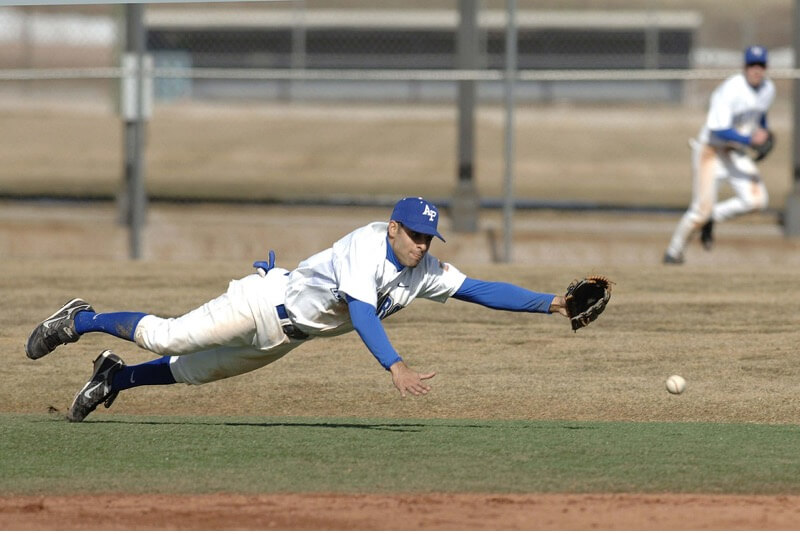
point(429, 212)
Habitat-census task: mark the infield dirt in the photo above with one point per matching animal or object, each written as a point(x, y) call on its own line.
point(404, 512)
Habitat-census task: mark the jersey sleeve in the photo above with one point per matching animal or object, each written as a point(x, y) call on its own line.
point(442, 280)
point(731, 135)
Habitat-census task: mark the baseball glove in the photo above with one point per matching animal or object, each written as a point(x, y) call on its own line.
point(761, 151)
point(586, 299)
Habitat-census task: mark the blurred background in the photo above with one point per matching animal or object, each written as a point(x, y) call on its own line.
point(355, 103)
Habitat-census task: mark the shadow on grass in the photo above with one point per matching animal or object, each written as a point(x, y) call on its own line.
point(56, 416)
point(386, 427)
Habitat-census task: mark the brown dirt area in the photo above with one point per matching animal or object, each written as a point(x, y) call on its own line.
point(402, 512)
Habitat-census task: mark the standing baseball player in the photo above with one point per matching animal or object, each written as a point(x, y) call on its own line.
point(366, 276)
point(737, 119)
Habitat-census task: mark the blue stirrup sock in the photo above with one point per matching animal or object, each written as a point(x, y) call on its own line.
point(123, 325)
point(152, 373)
point(119, 324)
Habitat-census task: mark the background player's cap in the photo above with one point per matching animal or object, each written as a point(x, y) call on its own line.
point(417, 214)
point(755, 55)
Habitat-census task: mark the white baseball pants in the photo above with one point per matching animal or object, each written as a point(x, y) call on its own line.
point(712, 166)
point(232, 334)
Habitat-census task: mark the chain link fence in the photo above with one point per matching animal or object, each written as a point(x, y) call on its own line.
point(296, 99)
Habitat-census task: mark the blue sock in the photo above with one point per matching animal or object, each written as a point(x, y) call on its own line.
point(120, 324)
point(151, 373)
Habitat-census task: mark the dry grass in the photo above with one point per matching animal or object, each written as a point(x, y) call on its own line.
point(612, 155)
point(726, 322)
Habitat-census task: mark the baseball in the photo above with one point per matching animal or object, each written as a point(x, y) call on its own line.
point(676, 384)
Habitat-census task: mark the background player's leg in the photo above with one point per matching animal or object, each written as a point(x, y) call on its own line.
point(750, 192)
point(704, 193)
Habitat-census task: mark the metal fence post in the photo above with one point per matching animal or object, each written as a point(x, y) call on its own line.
point(791, 215)
point(134, 197)
point(464, 210)
point(508, 179)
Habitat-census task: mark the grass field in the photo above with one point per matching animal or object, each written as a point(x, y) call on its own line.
point(349, 455)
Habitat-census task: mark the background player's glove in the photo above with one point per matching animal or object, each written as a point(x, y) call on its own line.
point(263, 267)
point(586, 299)
point(761, 151)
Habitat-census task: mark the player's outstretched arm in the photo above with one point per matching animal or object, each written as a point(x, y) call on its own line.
point(509, 297)
point(406, 380)
point(369, 328)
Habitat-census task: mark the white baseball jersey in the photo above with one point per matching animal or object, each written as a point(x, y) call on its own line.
point(356, 266)
point(735, 104)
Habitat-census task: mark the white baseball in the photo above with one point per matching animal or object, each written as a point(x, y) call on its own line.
point(676, 384)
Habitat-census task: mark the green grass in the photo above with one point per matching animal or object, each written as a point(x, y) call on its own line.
point(210, 454)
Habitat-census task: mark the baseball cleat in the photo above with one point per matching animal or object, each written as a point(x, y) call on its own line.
point(707, 235)
point(58, 329)
point(98, 388)
point(673, 260)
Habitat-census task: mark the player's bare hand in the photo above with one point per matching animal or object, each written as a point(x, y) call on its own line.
point(407, 380)
point(759, 136)
point(559, 305)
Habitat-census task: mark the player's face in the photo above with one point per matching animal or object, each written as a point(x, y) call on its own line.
point(755, 74)
point(408, 246)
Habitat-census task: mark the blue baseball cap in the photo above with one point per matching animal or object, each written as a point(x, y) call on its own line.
point(417, 214)
point(755, 54)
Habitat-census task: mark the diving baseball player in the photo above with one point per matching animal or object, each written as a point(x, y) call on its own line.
point(737, 119)
point(366, 276)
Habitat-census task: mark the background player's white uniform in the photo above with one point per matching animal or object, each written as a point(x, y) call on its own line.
point(734, 104)
point(242, 330)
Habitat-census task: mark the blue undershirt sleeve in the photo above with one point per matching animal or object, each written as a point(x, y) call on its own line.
point(366, 322)
point(732, 135)
point(763, 121)
point(504, 296)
